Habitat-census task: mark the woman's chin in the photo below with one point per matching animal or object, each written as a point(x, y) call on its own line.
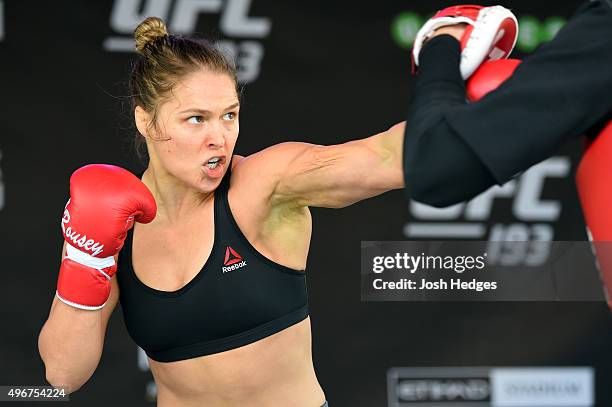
point(206, 183)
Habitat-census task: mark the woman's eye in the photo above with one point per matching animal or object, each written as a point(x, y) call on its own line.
point(229, 116)
point(195, 119)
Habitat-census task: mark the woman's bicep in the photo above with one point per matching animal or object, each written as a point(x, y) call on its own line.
point(339, 175)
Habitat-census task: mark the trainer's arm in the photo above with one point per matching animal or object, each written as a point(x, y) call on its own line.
point(339, 175)
point(71, 340)
point(458, 150)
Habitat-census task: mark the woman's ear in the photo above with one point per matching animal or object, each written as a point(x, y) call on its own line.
point(142, 119)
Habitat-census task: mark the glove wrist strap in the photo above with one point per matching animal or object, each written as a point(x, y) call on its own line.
point(85, 259)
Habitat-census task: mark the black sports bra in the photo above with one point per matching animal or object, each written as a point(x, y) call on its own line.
point(237, 298)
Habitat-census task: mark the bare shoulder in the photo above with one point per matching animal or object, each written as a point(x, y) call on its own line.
point(236, 159)
point(260, 172)
point(254, 181)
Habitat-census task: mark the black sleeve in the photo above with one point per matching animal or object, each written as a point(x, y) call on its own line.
point(560, 92)
point(454, 150)
point(440, 168)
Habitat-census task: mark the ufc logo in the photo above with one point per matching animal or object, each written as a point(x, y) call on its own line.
point(468, 220)
point(525, 192)
point(181, 17)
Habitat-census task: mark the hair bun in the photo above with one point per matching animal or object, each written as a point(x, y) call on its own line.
point(151, 29)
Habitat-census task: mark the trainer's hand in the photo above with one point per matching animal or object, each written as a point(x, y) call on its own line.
point(456, 30)
point(490, 33)
point(105, 200)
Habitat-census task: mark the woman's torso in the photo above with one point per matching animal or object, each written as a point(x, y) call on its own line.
point(274, 370)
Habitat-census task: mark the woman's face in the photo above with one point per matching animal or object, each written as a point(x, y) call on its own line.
point(197, 129)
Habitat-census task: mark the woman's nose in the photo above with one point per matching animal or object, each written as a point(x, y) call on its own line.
point(215, 136)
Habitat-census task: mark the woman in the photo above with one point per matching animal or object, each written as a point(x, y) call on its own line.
point(212, 288)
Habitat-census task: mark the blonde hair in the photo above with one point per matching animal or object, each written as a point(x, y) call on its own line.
point(163, 60)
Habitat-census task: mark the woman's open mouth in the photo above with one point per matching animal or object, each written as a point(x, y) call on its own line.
point(214, 167)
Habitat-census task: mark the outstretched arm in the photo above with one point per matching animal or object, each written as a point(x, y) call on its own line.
point(339, 175)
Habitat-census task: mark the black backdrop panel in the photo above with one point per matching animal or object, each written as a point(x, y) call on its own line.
point(317, 71)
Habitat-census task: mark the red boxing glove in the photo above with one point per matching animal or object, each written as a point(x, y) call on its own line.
point(491, 34)
point(105, 200)
point(489, 76)
point(594, 181)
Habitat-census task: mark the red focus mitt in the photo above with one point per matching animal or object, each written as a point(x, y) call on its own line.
point(489, 76)
point(491, 34)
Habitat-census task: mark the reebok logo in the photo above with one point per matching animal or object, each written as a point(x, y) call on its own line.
point(233, 260)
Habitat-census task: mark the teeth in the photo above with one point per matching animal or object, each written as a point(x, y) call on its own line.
point(213, 162)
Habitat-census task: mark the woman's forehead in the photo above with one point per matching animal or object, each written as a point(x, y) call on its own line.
point(206, 90)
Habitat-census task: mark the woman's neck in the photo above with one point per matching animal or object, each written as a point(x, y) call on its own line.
point(176, 201)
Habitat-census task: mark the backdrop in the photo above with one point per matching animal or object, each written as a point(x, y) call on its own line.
point(318, 71)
